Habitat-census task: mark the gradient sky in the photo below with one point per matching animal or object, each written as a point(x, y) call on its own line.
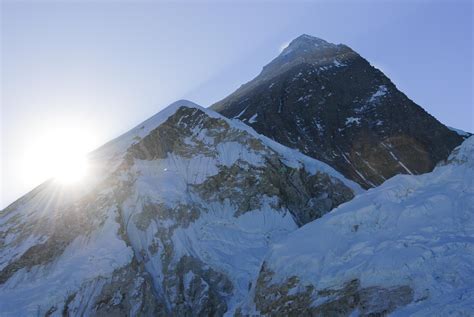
point(105, 66)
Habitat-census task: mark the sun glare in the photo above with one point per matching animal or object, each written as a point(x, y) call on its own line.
point(59, 153)
point(283, 46)
point(70, 168)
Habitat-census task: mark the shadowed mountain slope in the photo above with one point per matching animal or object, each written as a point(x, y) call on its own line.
point(331, 104)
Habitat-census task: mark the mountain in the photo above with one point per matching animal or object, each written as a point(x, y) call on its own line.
point(331, 104)
point(405, 248)
point(175, 219)
point(195, 213)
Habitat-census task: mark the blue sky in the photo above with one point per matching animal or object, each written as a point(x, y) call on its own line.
point(105, 66)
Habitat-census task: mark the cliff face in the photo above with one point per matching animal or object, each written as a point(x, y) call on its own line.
point(331, 104)
point(175, 221)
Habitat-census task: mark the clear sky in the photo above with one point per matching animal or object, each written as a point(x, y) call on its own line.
point(101, 67)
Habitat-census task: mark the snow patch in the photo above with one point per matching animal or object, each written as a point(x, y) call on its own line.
point(460, 132)
point(351, 120)
point(338, 64)
point(381, 91)
point(253, 119)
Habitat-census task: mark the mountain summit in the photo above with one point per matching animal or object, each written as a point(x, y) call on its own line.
point(306, 46)
point(331, 104)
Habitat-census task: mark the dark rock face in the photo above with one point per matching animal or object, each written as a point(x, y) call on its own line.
point(198, 289)
point(129, 291)
point(290, 298)
point(331, 104)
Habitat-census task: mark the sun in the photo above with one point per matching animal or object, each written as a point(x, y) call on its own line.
point(70, 168)
point(58, 153)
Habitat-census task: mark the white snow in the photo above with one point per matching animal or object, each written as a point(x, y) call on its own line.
point(279, 106)
point(253, 119)
point(381, 91)
point(304, 98)
point(338, 63)
point(232, 245)
point(388, 147)
point(241, 113)
point(404, 167)
point(411, 230)
point(84, 259)
point(351, 120)
point(460, 132)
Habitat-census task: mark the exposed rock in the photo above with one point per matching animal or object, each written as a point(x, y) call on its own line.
point(128, 292)
point(331, 104)
point(306, 196)
point(190, 132)
point(290, 298)
point(197, 289)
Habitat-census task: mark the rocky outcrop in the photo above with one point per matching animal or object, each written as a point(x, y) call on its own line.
point(331, 104)
point(290, 298)
point(306, 196)
point(127, 292)
point(197, 289)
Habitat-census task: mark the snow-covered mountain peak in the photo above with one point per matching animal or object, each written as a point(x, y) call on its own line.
point(306, 43)
point(187, 204)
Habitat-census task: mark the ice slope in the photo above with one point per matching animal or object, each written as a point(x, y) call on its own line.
point(414, 231)
point(460, 132)
point(176, 218)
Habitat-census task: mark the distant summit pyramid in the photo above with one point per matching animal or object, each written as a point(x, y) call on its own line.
point(331, 104)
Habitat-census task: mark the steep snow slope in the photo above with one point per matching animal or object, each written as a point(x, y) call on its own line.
point(175, 218)
point(406, 247)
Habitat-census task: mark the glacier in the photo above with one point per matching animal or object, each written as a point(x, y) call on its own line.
point(409, 243)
